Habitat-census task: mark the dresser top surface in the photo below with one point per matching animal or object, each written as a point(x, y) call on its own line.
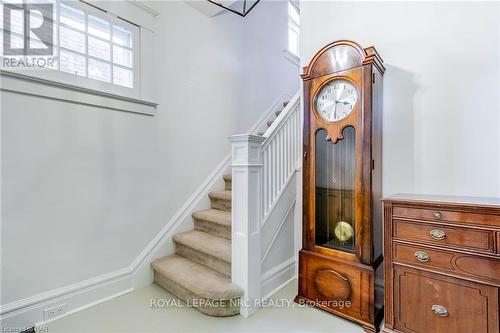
point(443, 199)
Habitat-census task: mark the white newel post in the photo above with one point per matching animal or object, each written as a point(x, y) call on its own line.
point(246, 206)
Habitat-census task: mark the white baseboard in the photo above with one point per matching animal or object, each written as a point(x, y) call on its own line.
point(28, 312)
point(41, 324)
point(277, 277)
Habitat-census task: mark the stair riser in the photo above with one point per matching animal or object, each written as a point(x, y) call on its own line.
point(221, 204)
point(201, 258)
point(225, 308)
point(213, 228)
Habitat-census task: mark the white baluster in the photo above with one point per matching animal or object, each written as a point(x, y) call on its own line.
point(290, 145)
point(280, 161)
point(275, 168)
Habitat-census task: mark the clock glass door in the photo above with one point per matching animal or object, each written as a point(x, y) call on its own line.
point(335, 181)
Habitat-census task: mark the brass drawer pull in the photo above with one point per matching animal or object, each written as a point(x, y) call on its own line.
point(422, 256)
point(440, 310)
point(438, 234)
point(437, 215)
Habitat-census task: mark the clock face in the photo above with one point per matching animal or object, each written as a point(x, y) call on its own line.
point(336, 100)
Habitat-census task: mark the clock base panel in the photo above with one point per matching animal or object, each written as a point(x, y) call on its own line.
point(343, 288)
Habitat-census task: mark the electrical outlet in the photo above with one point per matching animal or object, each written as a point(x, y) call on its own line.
point(54, 311)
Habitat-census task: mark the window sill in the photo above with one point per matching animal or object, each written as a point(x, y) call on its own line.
point(34, 86)
point(292, 58)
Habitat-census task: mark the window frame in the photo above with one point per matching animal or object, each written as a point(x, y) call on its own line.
point(85, 82)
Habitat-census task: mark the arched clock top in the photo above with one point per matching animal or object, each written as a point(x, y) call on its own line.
point(339, 56)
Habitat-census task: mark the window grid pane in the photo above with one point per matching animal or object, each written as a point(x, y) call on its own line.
point(72, 63)
point(293, 29)
point(122, 77)
point(87, 43)
point(94, 47)
point(99, 48)
point(122, 56)
point(72, 17)
point(72, 39)
point(99, 70)
point(122, 36)
point(98, 27)
point(293, 14)
point(17, 22)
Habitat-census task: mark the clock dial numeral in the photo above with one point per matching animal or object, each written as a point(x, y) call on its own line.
point(337, 100)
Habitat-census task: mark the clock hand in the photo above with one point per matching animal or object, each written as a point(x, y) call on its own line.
point(339, 102)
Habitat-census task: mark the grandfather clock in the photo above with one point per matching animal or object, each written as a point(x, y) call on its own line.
point(342, 182)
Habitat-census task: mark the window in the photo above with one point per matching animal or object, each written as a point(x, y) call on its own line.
point(293, 27)
point(96, 45)
point(92, 48)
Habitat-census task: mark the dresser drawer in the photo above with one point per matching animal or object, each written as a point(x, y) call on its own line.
point(438, 214)
point(426, 302)
point(469, 266)
point(446, 236)
point(419, 255)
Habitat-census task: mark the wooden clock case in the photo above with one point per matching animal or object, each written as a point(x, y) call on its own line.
point(329, 278)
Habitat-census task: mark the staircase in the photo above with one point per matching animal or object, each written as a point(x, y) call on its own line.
point(199, 272)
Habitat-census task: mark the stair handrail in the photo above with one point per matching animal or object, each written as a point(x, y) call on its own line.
point(282, 117)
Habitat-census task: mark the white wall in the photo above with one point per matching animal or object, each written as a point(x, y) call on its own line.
point(85, 189)
point(441, 87)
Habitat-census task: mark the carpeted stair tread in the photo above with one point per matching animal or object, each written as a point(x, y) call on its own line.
point(221, 195)
point(214, 215)
point(221, 200)
point(214, 246)
point(228, 182)
point(197, 278)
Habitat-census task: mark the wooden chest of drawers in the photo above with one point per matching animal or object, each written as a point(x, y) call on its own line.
point(442, 264)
